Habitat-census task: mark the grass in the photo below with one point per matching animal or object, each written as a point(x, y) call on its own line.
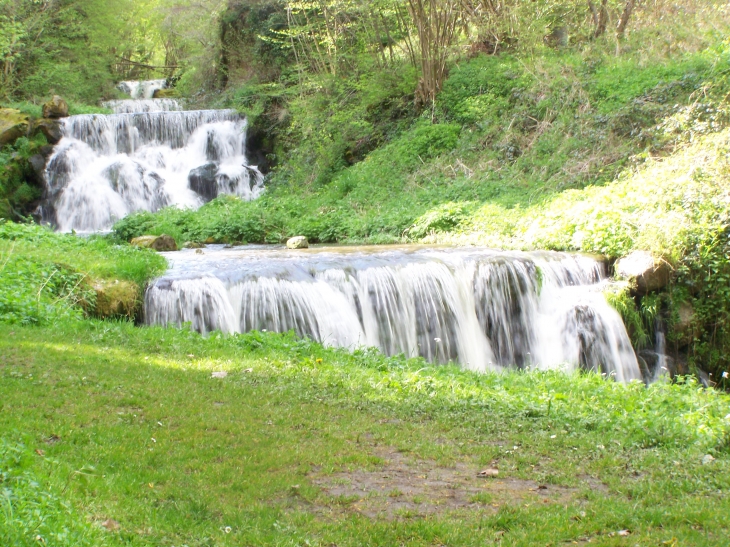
point(45, 275)
point(106, 421)
point(358, 164)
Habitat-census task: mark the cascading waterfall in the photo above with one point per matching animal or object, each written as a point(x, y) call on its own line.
point(142, 105)
point(148, 155)
point(142, 89)
point(484, 309)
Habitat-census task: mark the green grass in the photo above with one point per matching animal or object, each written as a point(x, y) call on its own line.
point(44, 275)
point(107, 421)
point(357, 163)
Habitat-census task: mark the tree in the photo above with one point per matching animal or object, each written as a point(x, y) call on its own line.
point(437, 23)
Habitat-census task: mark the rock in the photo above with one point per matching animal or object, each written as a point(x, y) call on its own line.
point(158, 243)
point(193, 245)
point(13, 125)
point(38, 164)
point(209, 240)
point(55, 108)
point(51, 129)
point(203, 181)
point(167, 93)
point(115, 298)
point(491, 472)
point(297, 242)
point(645, 272)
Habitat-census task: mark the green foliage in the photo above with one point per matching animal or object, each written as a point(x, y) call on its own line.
point(34, 512)
point(45, 276)
point(444, 218)
point(20, 187)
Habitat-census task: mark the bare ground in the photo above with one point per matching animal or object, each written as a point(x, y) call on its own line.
point(403, 486)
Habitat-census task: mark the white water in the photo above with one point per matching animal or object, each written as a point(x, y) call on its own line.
point(142, 105)
point(107, 166)
point(482, 308)
point(143, 89)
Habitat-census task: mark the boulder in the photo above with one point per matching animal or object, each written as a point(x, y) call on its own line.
point(38, 164)
point(55, 108)
point(167, 93)
point(157, 243)
point(297, 242)
point(50, 128)
point(13, 125)
point(193, 245)
point(645, 272)
point(203, 181)
point(115, 298)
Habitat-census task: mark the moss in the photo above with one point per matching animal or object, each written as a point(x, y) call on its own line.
point(13, 125)
point(115, 298)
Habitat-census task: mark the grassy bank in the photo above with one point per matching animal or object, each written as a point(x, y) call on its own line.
point(510, 132)
point(45, 276)
point(115, 435)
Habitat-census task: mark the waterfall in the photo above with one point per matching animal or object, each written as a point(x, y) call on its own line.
point(144, 89)
point(482, 308)
point(142, 105)
point(149, 154)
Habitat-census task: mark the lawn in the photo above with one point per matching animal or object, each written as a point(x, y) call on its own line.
point(119, 435)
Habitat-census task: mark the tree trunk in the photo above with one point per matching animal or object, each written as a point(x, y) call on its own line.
point(594, 12)
point(624, 19)
point(602, 20)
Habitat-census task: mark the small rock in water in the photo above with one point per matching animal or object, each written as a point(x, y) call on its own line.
point(199, 252)
point(158, 243)
point(297, 242)
point(707, 459)
point(219, 374)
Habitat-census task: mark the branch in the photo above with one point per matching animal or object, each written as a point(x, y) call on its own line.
point(135, 63)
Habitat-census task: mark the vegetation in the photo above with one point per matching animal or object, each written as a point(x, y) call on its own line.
point(46, 276)
point(115, 435)
point(597, 126)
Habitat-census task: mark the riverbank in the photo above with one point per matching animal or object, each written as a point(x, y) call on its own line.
point(124, 435)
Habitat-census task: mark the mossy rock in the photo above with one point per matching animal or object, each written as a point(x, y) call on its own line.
point(50, 128)
point(168, 93)
point(115, 298)
point(157, 243)
point(55, 108)
point(13, 125)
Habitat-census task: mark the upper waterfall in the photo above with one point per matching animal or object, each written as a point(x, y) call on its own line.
point(148, 155)
point(482, 308)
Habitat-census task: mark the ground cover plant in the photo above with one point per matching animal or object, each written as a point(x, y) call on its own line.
point(45, 275)
point(116, 435)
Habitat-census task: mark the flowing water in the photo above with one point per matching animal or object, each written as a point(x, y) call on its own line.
point(144, 89)
point(147, 155)
point(482, 308)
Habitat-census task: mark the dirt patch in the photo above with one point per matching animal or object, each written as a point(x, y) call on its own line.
point(403, 486)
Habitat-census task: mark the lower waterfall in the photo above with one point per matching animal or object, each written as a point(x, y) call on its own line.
point(482, 308)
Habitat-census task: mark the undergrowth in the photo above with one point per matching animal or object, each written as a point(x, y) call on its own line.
point(46, 276)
